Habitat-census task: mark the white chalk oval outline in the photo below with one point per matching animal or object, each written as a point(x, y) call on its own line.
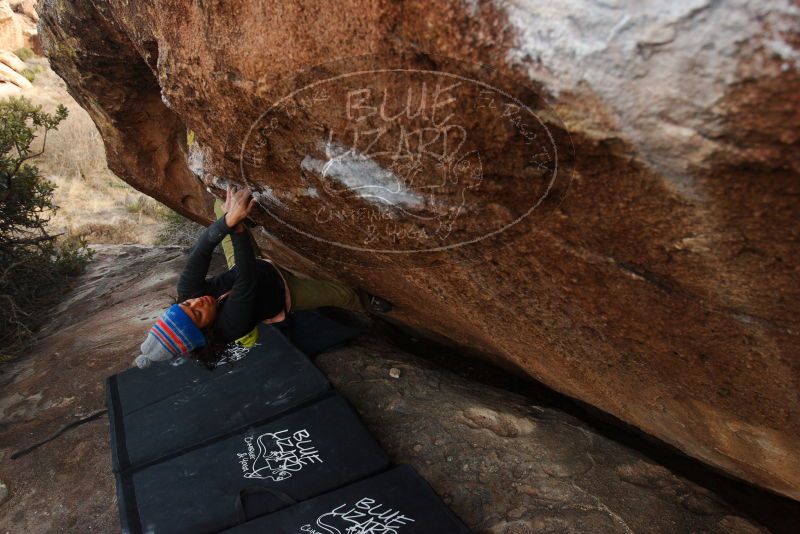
point(391, 251)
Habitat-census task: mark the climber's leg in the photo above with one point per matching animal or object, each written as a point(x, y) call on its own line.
point(308, 294)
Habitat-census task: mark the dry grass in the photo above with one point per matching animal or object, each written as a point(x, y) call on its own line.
point(93, 203)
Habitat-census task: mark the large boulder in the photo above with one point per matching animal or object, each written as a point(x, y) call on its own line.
point(18, 25)
point(12, 82)
point(653, 275)
point(10, 59)
point(9, 75)
point(26, 8)
point(10, 28)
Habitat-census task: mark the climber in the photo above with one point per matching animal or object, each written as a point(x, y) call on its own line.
point(213, 312)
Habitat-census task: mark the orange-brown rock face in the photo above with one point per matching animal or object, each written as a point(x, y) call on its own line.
point(610, 203)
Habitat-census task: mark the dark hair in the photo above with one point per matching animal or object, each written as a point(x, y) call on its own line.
point(210, 354)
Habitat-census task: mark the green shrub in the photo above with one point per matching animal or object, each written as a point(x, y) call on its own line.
point(25, 53)
point(136, 205)
point(34, 267)
point(140, 204)
point(29, 74)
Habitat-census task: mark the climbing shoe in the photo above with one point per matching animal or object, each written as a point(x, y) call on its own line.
point(375, 304)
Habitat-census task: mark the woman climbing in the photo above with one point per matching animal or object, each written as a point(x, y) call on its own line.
point(213, 312)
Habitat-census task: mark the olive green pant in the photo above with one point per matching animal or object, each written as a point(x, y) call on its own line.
point(306, 293)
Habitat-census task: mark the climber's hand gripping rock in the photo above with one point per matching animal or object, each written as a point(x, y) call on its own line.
point(237, 207)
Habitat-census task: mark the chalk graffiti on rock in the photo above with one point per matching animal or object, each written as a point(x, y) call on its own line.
point(407, 159)
point(278, 455)
point(403, 160)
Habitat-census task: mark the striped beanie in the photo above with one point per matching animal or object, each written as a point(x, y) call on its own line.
point(173, 335)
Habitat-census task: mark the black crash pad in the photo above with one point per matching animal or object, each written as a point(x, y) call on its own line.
point(313, 332)
point(310, 451)
point(309, 330)
point(136, 388)
point(396, 502)
point(182, 411)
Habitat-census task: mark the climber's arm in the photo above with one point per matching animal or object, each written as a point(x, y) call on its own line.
point(192, 282)
point(193, 278)
point(234, 319)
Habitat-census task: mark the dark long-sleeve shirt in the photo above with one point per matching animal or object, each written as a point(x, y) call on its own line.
point(256, 288)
